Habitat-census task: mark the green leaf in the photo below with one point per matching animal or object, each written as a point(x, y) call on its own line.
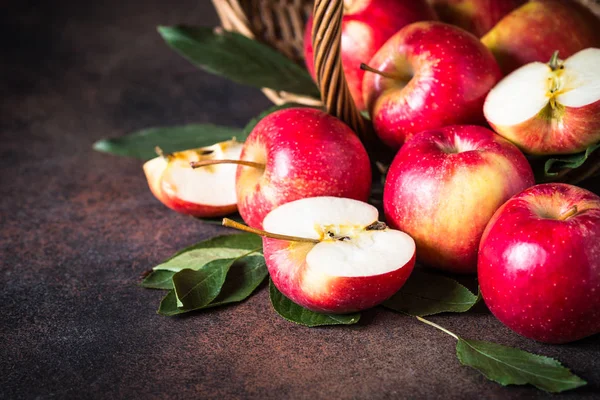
point(168, 305)
point(141, 144)
point(244, 276)
point(197, 288)
point(509, 366)
point(427, 294)
point(300, 315)
point(254, 121)
point(159, 280)
point(238, 58)
point(555, 164)
point(196, 256)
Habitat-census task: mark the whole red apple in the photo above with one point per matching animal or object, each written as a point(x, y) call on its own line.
point(366, 25)
point(475, 16)
point(444, 186)
point(539, 263)
point(354, 262)
point(301, 152)
point(534, 31)
point(432, 75)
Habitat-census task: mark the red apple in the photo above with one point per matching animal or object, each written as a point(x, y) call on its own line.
point(444, 186)
point(204, 192)
point(475, 16)
point(549, 108)
point(432, 75)
point(301, 152)
point(539, 263)
point(352, 263)
point(534, 31)
point(366, 25)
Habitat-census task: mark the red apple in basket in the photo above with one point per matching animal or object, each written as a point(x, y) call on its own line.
point(206, 192)
point(298, 153)
point(430, 75)
point(534, 31)
point(539, 263)
point(475, 16)
point(549, 108)
point(331, 254)
point(366, 25)
point(444, 186)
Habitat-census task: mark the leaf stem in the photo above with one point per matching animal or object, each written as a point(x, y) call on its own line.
point(438, 327)
point(198, 164)
point(367, 68)
point(236, 225)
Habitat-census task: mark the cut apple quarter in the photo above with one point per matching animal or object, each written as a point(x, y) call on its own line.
point(549, 108)
point(202, 192)
point(346, 260)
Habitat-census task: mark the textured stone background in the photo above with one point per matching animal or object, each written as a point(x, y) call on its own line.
point(78, 228)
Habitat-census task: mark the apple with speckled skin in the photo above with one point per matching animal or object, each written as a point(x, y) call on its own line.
point(300, 152)
point(539, 263)
point(444, 186)
point(354, 262)
point(430, 75)
point(534, 31)
point(475, 16)
point(366, 25)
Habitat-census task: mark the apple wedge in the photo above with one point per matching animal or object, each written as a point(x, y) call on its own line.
point(203, 192)
point(331, 254)
point(549, 108)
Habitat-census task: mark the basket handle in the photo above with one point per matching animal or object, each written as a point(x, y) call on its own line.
point(327, 38)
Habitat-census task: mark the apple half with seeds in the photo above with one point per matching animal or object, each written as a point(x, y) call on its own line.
point(549, 108)
point(202, 192)
point(332, 255)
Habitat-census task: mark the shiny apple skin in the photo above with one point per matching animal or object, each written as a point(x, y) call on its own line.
point(366, 25)
point(307, 153)
point(320, 292)
point(535, 30)
point(452, 72)
point(541, 276)
point(444, 200)
point(475, 16)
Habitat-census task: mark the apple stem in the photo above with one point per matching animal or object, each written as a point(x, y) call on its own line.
point(236, 225)
point(438, 327)
point(568, 214)
point(554, 61)
point(365, 67)
point(204, 163)
point(159, 152)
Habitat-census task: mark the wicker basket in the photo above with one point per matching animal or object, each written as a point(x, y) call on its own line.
point(280, 24)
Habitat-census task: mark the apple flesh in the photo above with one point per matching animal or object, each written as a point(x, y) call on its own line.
point(366, 25)
point(444, 186)
point(305, 153)
point(204, 192)
point(539, 263)
point(549, 108)
point(433, 75)
point(356, 263)
point(475, 16)
point(534, 31)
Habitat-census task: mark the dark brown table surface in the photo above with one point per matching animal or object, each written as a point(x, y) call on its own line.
point(78, 228)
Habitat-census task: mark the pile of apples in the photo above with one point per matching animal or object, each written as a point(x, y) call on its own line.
point(458, 196)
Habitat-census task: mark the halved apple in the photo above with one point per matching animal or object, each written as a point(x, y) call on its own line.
point(203, 192)
point(549, 108)
point(347, 261)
